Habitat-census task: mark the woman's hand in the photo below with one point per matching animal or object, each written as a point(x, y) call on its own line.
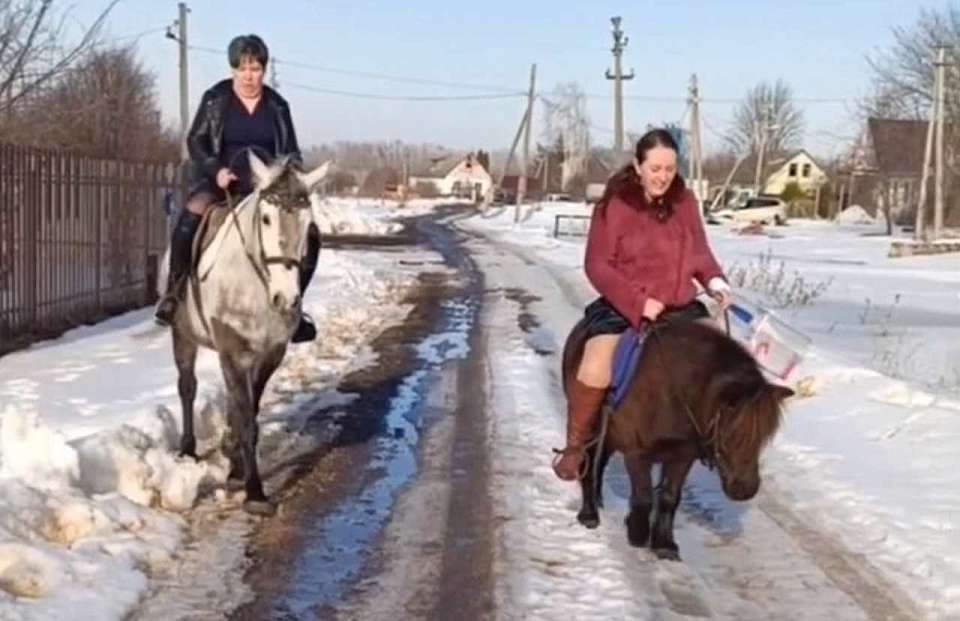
point(225, 177)
point(719, 290)
point(652, 309)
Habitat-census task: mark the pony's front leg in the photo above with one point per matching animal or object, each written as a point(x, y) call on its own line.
point(668, 499)
point(591, 486)
point(243, 424)
point(641, 498)
point(185, 357)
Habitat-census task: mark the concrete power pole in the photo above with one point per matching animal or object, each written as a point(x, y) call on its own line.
point(938, 178)
point(274, 82)
point(528, 121)
point(619, 43)
point(919, 224)
point(181, 38)
point(764, 133)
point(696, 167)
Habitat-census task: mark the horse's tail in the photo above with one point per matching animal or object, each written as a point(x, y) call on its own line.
point(573, 352)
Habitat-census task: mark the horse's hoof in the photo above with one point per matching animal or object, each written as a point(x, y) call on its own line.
point(667, 554)
point(189, 453)
point(234, 485)
point(263, 508)
point(589, 520)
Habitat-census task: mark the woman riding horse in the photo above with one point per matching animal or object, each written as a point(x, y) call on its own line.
point(235, 115)
point(645, 247)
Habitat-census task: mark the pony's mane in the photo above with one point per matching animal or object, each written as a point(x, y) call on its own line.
point(749, 406)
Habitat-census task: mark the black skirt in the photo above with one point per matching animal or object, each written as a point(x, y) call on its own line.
point(602, 318)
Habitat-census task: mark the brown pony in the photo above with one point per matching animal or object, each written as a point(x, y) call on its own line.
point(696, 394)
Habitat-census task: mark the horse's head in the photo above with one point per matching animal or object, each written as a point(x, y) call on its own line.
point(281, 218)
point(747, 416)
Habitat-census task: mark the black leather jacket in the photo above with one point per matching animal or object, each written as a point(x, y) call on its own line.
point(205, 140)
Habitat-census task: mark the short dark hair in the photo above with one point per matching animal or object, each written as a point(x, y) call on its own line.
point(247, 45)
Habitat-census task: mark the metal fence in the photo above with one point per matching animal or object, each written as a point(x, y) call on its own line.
point(79, 237)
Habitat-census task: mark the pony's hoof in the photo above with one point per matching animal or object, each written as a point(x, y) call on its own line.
point(263, 508)
point(234, 485)
point(189, 453)
point(638, 530)
point(667, 554)
point(589, 519)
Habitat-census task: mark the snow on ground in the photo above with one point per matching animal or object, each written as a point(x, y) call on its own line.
point(94, 494)
point(365, 216)
point(869, 455)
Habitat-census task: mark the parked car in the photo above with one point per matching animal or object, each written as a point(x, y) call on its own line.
point(763, 209)
point(503, 197)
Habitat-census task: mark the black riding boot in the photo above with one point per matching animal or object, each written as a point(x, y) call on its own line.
point(306, 331)
point(181, 253)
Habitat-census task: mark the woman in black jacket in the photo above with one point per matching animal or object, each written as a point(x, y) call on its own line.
point(235, 115)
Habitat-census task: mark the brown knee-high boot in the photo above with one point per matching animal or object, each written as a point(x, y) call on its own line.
point(583, 409)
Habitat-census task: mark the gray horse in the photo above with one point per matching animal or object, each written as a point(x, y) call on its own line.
point(243, 302)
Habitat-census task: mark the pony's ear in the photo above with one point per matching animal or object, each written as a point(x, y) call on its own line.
point(781, 392)
point(262, 176)
point(315, 176)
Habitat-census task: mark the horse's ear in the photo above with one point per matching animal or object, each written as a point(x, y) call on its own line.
point(262, 177)
point(315, 176)
point(781, 392)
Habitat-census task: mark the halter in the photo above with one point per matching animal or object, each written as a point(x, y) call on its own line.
point(259, 268)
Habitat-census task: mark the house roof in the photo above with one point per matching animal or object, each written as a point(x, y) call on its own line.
point(898, 146)
point(442, 165)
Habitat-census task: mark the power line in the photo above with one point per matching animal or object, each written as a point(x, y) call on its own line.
point(331, 91)
point(508, 90)
point(378, 76)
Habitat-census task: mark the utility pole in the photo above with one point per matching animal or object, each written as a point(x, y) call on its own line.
point(181, 38)
point(619, 43)
point(764, 131)
point(941, 65)
point(274, 82)
point(696, 167)
point(522, 181)
point(918, 232)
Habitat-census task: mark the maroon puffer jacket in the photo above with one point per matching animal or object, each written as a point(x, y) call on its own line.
point(636, 251)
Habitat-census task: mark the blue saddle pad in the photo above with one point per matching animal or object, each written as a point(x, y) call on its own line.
point(625, 361)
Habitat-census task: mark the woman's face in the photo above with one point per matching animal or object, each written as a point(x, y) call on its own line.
point(657, 171)
point(248, 77)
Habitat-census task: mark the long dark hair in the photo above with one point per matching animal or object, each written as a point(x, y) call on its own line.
point(626, 178)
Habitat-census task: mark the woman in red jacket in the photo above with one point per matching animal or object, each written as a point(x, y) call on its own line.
point(645, 248)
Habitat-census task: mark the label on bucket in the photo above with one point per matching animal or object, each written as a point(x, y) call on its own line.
point(773, 349)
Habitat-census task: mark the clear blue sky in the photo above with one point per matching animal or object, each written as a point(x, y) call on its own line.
point(818, 46)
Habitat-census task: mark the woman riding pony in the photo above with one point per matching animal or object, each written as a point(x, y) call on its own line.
point(645, 249)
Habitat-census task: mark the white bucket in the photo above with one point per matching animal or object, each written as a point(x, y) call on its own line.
point(777, 347)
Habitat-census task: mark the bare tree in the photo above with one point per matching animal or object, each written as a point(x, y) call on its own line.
point(105, 106)
point(567, 127)
point(33, 49)
point(767, 105)
point(903, 74)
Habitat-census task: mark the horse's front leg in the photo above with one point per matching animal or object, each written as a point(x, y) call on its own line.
point(591, 486)
point(185, 357)
point(668, 499)
point(641, 498)
point(239, 380)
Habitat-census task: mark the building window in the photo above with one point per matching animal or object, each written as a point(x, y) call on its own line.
point(806, 171)
point(793, 170)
